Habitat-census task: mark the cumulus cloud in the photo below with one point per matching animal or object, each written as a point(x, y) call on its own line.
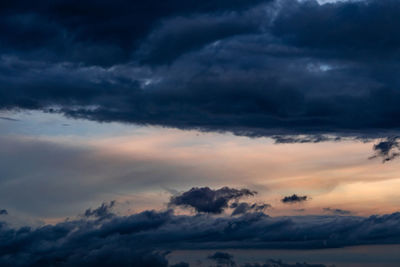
point(209, 200)
point(294, 199)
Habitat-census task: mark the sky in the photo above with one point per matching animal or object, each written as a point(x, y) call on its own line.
point(211, 133)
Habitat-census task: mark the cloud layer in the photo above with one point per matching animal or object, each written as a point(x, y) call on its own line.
point(134, 240)
point(256, 68)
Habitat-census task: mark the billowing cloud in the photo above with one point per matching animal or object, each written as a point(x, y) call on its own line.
point(141, 238)
point(209, 200)
point(294, 199)
point(256, 68)
point(106, 35)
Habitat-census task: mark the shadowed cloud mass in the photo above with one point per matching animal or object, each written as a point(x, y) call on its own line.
point(256, 68)
point(141, 238)
point(209, 200)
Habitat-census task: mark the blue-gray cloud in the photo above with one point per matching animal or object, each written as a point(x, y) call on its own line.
point(256, 68)
point(209, 200)
point(140, 238)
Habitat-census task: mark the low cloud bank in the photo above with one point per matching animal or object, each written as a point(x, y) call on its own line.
point(141, 239)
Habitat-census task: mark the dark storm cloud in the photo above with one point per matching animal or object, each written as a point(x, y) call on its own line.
point(366, 29)
point(180, 35)
point(134, 240)
point(92, 32)
point(337, 211)
point(256, 68)
point(3, 212)
point(208, 200)
point(294, 199)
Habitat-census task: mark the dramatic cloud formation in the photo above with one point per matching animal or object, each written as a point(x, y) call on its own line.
point(294, 199)
point(256, 68)
point(208, 200)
